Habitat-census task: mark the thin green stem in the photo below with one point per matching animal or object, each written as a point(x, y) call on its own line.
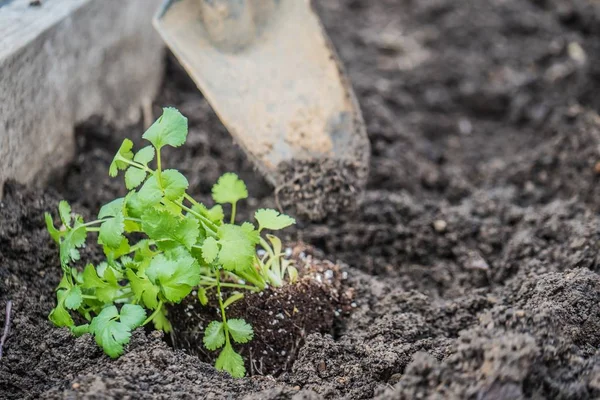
point(121, 297)
point(155, 313)
point(265, 245)
point(124, 295)
point(97, 229)
point(206, 221)
point(208, 286)
point(71, 276)
point(158, 167)
point(209, 283)
point(190, 199)
point(139, 244)
point(236, 276)
point(137, 165)
point(253, 276)
point(98, 221)
point(220, 298)
point(233, 211)
point(209, 224)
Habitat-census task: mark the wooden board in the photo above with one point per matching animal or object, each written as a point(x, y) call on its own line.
point(64, 61)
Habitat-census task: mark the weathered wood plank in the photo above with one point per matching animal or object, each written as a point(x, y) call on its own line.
point(61, 63)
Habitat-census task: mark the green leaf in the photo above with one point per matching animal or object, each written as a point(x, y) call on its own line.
point(271, 219)
point(202, 296)
point(144, 156)
point(64, 210)
point(111, 209)
point(64, 283)
point(111, 231)
point(231, 362)
point(132, 315)
point(105, 291)
point(110, 334)
point(159, 224)
point(167, 228)
point(232, 299)
point(150, 193)
point(60, 316)
point(134, 177)
point(174, 183)
point(229, 189)
point(276, 244)
point(91, 280)
point(237, 247)
point(240, 330)
point(73, 239)
point(210, 250)
point(73, 298)
point(54, 233)
point(116, 252)
point(80, 330)
point(251, 232)
point(128, 263)
point(292, 274)
point(170, 129)
point(132, 226)
point(111, 274)
point(176, 277)
point(143, 289)
point(112, 338)
point(124, 152)
point(214, 336)
point(107, 315)
point(214, 214)
point(144, 253)
point(133, 206)
point(67, 252)
point(172, 206)
point(161, 322)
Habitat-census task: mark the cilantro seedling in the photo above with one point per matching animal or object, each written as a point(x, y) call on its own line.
point(181, 245)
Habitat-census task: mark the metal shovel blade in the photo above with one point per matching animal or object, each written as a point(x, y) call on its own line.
point(270, 73)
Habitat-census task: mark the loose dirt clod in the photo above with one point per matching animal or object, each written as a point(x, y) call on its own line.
point(317, 188)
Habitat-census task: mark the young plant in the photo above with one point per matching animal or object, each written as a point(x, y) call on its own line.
point(159, 245)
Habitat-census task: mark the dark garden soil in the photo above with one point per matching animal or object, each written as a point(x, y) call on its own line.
point(473, 257)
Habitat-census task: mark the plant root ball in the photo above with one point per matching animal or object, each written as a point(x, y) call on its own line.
point(281, 317)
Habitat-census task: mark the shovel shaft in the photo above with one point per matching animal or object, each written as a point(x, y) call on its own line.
point(229, 23)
